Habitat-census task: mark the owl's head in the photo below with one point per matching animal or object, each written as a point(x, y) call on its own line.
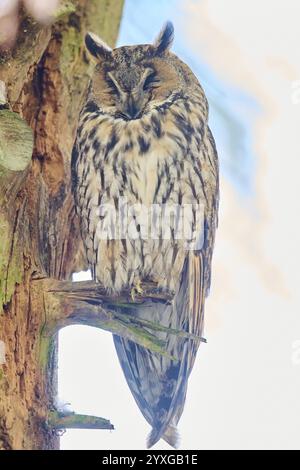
point(130, 81)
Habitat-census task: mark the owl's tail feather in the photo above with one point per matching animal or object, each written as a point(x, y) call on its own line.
point(170, 435)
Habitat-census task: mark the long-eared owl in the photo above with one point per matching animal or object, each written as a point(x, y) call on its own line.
point(145, 183)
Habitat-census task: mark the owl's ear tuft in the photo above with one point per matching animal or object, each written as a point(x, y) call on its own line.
point(98, 49)
point(164, 40)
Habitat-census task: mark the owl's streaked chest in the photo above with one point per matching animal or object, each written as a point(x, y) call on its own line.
point(153, 169)
point(152, 160)
point(147, 158)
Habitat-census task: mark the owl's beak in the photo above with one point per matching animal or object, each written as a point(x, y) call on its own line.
point(132, 108)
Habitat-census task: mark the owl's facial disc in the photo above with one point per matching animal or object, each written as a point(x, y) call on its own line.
point(132, 92)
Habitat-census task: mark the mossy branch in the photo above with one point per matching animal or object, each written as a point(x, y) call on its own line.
point(156, 326)
point(88, 303)
point(91, 315)
point(69, 420)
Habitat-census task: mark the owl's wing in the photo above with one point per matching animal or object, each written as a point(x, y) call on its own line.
point(200, 261)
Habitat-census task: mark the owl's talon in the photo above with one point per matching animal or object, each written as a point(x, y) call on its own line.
point(138, 287)
point(136, 290)
point(132, 294)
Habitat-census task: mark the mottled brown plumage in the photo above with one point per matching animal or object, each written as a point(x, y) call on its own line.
point(143, 136)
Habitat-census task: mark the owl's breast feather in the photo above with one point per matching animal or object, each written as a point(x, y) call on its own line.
point(157, 145)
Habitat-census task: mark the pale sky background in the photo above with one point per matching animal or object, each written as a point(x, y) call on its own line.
point(244, 391)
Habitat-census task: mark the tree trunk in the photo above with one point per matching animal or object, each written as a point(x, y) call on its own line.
point(45, 78)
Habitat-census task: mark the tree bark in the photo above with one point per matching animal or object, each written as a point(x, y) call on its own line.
point(43, 81)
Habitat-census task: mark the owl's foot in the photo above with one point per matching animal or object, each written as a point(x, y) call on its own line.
point(136, 290)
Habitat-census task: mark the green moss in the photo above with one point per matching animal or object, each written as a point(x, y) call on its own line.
point(4, 246)
point(65, 8)
point(70, 51)
point(46, 348)
point(104, 18)
point(11, 271)
point(138, 334)
point(62, 420)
